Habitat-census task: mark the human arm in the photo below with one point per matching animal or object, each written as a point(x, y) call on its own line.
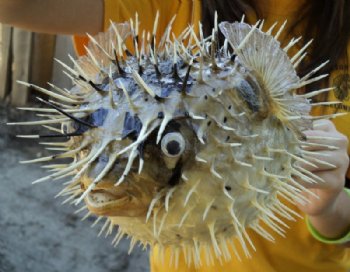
point(330, 213)
point(54, 16)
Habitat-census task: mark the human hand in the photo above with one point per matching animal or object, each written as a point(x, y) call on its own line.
point(326, 148)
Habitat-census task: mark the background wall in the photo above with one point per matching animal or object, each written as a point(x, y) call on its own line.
point(37, 232)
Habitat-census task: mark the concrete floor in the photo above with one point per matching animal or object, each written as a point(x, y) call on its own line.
point(37, 232)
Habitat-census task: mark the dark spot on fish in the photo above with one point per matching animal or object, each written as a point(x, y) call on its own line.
point(160, 115)
point(229, 107)
point(225, 119)
point(187, 114)
point(178, 236)
point(233, 57)
point(214, 90)
point(132, 126)
point(205, 97)
point(228, 188)
point(214, 207)
point(228, 138)
point(209, 123)
point(146, 99)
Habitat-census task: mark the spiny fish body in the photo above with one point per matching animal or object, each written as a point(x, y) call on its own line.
point(184, 144)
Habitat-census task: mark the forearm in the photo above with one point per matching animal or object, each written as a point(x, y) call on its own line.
point(335, 222)
point(54, 16)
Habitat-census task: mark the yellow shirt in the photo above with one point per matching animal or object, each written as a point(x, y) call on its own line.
point(299, 251)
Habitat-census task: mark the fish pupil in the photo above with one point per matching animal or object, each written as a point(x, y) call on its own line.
point(173, 147)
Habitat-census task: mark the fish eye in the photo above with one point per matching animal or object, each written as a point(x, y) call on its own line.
point(173, 144)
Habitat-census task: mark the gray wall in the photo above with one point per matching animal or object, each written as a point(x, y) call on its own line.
point(64, 46)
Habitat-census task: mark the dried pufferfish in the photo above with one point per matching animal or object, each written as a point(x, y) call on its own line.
point(183, 145)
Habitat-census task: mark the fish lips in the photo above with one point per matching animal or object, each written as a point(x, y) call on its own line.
point(125, 200)
point(104, 203)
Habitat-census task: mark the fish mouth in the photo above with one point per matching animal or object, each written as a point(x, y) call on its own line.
point(122, 201)
point(109, 203)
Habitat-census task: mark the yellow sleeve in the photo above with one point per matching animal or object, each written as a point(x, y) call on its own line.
point(186, 11)
point(123, 10)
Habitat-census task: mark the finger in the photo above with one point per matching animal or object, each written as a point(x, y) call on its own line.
point(324, 160)
point(319, 145)
point(319, 161)
point(305, 186)
point(324, 125)
point(321, 140)
point(327, 177)
point(306, 175)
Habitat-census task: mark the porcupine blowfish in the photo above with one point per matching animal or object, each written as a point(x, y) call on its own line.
point(183, 144)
